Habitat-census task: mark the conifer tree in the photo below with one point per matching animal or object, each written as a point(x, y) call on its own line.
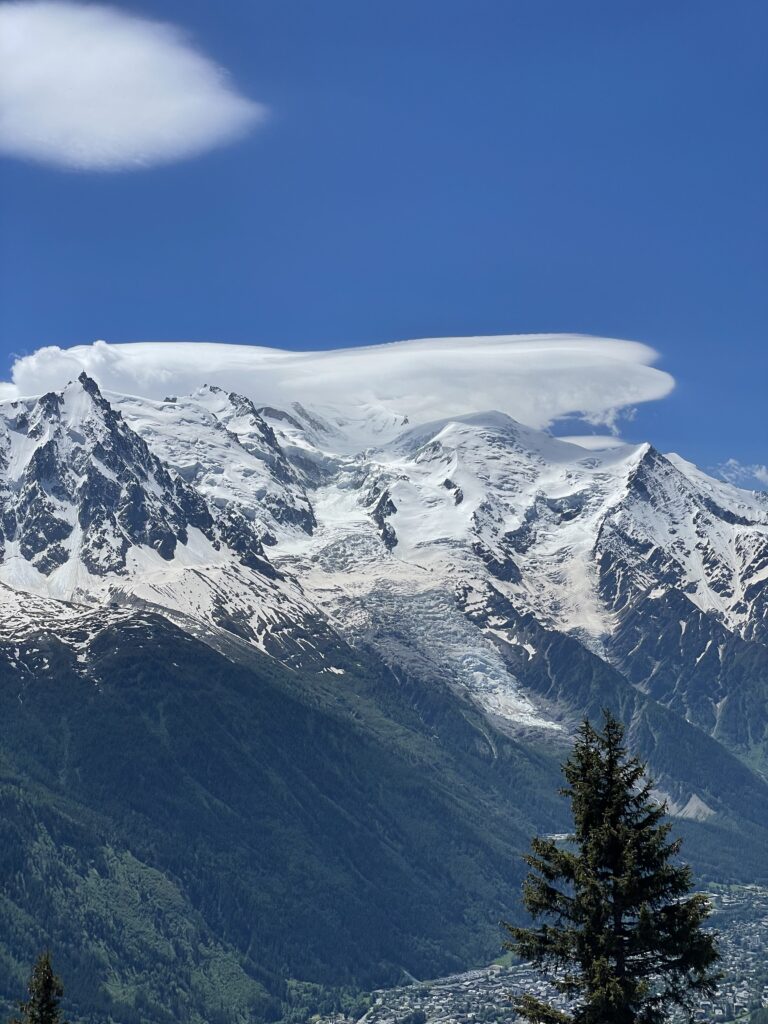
point(45, 992)
point(614, 918)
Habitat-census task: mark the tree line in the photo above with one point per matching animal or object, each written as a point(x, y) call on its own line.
point(615, 925)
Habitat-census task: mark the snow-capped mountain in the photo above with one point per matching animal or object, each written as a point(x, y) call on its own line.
point(91, 515)
point(429, 544)
point(445, 519)
point(85, 498)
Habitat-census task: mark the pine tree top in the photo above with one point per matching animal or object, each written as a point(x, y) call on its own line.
point(615, 918)
point(45, 992)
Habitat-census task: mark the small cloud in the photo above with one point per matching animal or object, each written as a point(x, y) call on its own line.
point(741, 474)
point(89, 87)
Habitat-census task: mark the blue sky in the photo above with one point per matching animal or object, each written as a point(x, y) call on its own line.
point(440, 168)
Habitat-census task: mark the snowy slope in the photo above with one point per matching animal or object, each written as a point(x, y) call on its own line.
point(565, 531)
point(220, 444)
point(579, 538)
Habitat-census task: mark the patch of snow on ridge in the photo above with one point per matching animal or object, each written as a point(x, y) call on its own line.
point(694, 809)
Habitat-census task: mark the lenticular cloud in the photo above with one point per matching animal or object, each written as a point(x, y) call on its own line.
point(92, 88)
point(534, 378)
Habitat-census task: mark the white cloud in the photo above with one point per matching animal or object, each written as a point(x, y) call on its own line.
point(534, 378)
point(739, 473)
point(90, 87)
point(594, 442)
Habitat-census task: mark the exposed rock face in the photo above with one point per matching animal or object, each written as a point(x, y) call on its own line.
point(81, 490)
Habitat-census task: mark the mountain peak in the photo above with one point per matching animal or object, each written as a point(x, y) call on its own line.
point(88, 383)
point(89, 499)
